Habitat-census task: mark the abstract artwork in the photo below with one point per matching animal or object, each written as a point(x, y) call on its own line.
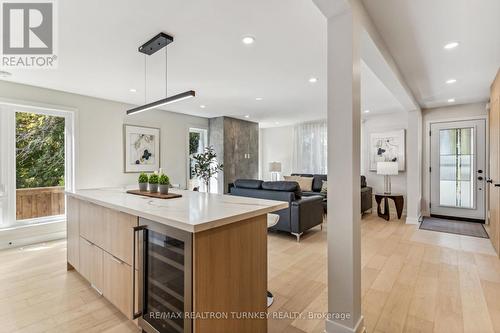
point(387, 147)
point(142, 148)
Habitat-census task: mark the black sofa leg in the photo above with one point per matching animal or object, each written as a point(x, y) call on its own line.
point(297, 235)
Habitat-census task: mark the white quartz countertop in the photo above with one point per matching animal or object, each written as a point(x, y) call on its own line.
point(194, 212)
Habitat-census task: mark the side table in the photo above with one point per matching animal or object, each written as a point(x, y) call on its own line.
point(398, 200)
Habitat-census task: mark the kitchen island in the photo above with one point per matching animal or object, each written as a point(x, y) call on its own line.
point(192, 264)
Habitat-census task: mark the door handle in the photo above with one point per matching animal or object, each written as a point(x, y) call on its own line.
point(489, 181)
point(144, 229)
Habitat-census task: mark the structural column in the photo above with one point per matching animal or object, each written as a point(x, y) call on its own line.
point(413, 167)
point(344, 197)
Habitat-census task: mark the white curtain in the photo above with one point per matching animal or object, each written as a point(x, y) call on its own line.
point(310, 148)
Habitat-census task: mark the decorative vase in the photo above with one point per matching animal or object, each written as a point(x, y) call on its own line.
point(153, 188)
point(163, 189)
point(143, 187)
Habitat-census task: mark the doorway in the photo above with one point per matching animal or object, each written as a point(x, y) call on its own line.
point(458, 177)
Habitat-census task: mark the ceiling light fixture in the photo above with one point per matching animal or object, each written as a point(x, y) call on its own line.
point(248, 40)
point(150, 47)
point(247, 116)
point(259, 98)
point(313, 80)
point(367, 111)
point(451, 45)
point(451, 100)
point(451, 81)
point(203, 106)
point(5, 74)
point(132, 90)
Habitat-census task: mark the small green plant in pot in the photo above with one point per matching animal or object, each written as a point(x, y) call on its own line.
point(164, 183)
point(153, 183)
point(143, 182)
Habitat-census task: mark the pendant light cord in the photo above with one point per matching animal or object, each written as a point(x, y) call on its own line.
point(166, 73)
point(145, 84)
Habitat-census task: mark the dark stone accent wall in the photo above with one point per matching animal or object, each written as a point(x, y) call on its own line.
point(238, 142)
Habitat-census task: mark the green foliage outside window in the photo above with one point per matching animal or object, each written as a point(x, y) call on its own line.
point(39, 150)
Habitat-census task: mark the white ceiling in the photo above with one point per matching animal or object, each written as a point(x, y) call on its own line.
point(98, 57)
point(415, 32)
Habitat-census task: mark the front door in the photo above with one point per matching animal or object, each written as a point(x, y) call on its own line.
point(458, 161)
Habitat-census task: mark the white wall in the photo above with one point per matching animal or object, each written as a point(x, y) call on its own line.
point(376, 124)
point(443, 114)
point(276, 145)
point(99, 126)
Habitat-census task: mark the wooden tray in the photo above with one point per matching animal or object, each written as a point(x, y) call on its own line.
point(157, 195)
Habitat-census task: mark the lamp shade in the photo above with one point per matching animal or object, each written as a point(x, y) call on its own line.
point(387, 168)
point(275, 167)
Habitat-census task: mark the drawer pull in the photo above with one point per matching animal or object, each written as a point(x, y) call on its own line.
point(117, 260)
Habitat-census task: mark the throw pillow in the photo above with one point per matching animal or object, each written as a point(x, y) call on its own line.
point(324, 187)
point(291, 178)
point(305, 183)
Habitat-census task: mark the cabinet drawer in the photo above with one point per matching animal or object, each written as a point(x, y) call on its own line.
point(119, 234)
point(91, 263)
point(92, 222)
point(118, 284)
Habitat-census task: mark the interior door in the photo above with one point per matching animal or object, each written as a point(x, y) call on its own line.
point(458, 161)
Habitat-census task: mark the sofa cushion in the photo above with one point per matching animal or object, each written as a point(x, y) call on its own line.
point(305, 183)
point(318, 182)
point(248, 183)
point(324, 187)
point(284, 186)
point(363, 181)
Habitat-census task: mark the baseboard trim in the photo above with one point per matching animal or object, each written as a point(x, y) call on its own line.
point(335, 327)
point(412, 220)
point(32, 234)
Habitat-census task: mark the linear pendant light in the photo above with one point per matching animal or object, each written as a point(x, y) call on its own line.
point(150, 47)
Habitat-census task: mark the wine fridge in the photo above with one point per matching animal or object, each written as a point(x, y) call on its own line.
point(163, 262)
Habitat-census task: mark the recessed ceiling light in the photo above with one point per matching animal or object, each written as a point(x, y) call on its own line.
point(276, 123)
point(313, 80)
point(247, 116)
point(203, 106)
point(248, 40)
point(5, 74)
point(451, 45)
point(259, 98)
point(132, 90)
point(367, 111)
point(451, 81)
point(451, 100)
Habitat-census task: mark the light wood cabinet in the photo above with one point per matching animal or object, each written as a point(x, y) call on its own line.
point(91, 263)
point(118, 283)
point(73, 233)
point(119, 234)
point(92, 226)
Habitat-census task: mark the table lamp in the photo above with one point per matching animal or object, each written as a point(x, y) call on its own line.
point(387, 169)
point(275, 169)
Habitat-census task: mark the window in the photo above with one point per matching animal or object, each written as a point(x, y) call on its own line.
point(198, 140)
point(36, 149)
point(310, 148)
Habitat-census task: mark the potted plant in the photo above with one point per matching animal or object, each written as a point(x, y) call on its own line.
point(143, 182)
point(206, 166)
point(164, 183)
point(153, 183)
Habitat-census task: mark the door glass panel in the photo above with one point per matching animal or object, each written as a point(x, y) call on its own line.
point(40, 165)
point(165, 283)
point(456, 162)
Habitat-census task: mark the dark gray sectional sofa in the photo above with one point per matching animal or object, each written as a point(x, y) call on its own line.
point(303, 212)
point(366, 191)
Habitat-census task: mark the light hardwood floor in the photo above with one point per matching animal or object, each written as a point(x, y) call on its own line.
point(412, 281)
